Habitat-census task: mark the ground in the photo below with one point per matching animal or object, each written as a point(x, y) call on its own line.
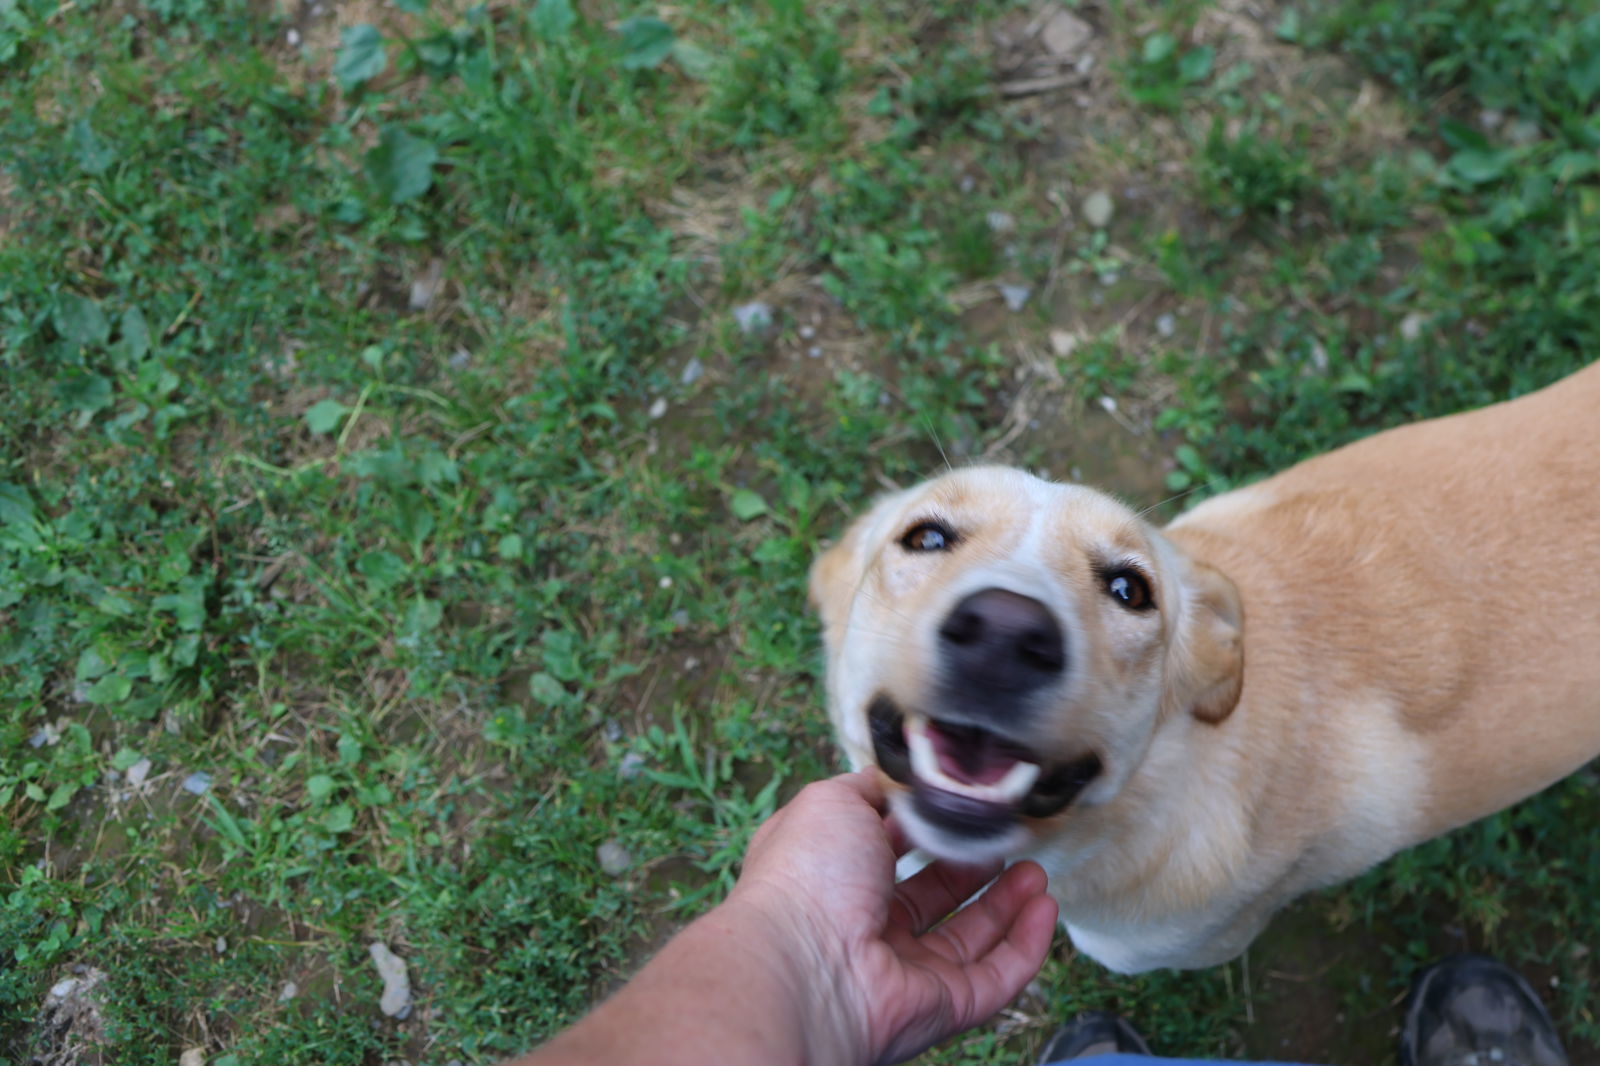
point(421, 417)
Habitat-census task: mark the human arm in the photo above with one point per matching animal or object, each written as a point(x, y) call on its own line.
point(817, 956)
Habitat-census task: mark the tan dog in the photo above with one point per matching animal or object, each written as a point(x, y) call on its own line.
point(1189, 727)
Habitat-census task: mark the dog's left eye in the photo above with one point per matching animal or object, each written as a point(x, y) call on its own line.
point(928, 537)
point(1129, 588)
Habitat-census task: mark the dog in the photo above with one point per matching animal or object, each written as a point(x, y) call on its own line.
point(1188, 727)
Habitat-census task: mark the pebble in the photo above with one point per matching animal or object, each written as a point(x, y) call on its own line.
point(1098, 207)
point(1016, 296)
point(192, 1057)
point(658, 408)
point(61, 990)
point(396, 999)
point(753, 317)
point(1000, 222)
point(693, 371)
point(293, 37)
point(290, 990)
point(614, 858)
point(814, 352)
point(138, 772)
point(1108, 404)
point(46, 736)
point(1066, 34)
point(1411, 325)
point(807, 332)
point(1063, 342)
point(459, 359)
point(197, 782)
point(630, 766)
point(222, 945)
point(1166, 325)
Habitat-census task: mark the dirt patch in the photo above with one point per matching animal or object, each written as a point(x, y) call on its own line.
point(70, 1030)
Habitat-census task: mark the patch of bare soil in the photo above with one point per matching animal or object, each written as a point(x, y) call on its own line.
point(70, 1029)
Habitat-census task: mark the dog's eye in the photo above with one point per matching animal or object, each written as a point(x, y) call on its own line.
point(1129, 588)
point(928, 537)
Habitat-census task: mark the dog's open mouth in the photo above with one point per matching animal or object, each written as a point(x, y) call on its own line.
point(968, 777)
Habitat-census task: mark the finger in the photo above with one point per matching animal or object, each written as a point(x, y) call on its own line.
point(898, 840)
point(922, 900)
point(1005, 970)
point(865, 784)
point(976, 930)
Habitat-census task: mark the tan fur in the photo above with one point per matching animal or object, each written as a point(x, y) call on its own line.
point(1365, 651)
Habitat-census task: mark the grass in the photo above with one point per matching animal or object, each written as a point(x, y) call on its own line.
point(381, 446)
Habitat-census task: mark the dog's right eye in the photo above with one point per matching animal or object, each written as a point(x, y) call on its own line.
point(928, 537)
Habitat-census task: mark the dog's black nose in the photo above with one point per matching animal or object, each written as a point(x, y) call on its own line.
point(1003, 640)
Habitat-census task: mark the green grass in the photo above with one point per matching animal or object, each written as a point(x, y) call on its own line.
point(442, 598)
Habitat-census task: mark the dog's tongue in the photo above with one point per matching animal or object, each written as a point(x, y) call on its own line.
point(972, 756)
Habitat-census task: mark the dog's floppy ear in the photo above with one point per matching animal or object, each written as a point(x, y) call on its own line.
point(1205, 658)
point(837, 572)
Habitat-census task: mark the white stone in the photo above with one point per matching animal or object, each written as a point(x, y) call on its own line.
point(1098, 207)
point(396, 999)
point(1066, 34)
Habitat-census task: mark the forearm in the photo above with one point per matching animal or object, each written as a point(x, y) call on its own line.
point(731, 988)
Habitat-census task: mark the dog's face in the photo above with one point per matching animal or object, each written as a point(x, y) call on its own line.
point(1003, 649)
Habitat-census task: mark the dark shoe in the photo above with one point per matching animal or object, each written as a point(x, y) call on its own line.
point(1096, 1033)
point(1469, 1010)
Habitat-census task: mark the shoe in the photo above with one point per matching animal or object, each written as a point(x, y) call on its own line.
point(1469, 1010)
point(1096, 1033)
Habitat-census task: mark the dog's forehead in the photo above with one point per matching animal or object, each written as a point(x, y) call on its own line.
point(1063, 514)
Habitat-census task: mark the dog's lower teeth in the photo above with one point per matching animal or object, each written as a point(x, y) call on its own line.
point(925, 764)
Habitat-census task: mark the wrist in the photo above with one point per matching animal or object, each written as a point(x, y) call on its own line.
point(810, 961)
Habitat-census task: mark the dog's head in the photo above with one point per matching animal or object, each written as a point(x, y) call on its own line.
point(1003, 649)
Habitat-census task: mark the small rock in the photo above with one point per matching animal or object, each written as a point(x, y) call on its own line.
point(425, 286)
point(47, 736)
point(138, 772)
point(61, 990)
point(396, 999)
point(1098, 207)
point(1000, 222)
point(1109, 278)
point(630, 766)
point(1108, 404)
point(1522, 132)
point(1166, 325)
point(814, 352)
point(807, 332)
point(614, 858)
point(197, 782)
point(693, 371)
point(1065, 34)
point(222, 945)
point(459, 359)
point(967, 183)
point(1319, 355)
point(290, 990)
point(1015, 296)
point(679, 618)
point(658, 408)
point(1411, 325)
point(665, 583)
point(1063, 342)
point(192, 1057)
point(1490, 118)
point(691, 664)
point(293, 37)
point(753, 317)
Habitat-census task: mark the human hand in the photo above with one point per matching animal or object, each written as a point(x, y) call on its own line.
point(879, 977)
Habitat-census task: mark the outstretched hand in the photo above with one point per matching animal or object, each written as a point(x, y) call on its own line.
point(882, 971)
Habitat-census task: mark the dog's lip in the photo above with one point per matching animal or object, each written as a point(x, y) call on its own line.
point(1058, 783)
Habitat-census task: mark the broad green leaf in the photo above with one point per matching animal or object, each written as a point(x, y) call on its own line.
point(646, 42)
point(124, 759)
point(381, 568)
point(339, 818)
point(349, 749)
point(319, 787)
point(360, 57)
point(510, 547)
point(93, 155)
point(1476, 167)
point(554, 19)
point(746, 505)
point(423, 614)
point(324, 416)
point(80, 321)
point(401, 166)
point(1158, 47)
point(135, 340)
point(61, 797)
point(113, 688)
point(1196, 64)
point(693, 60)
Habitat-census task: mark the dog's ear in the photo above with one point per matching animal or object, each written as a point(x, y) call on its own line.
point(1205, 658)
point(837, 572)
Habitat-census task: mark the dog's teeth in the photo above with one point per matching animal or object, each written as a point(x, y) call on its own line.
point(925, 764)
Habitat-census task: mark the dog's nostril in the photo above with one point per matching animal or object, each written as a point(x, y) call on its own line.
point(1003, 638)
